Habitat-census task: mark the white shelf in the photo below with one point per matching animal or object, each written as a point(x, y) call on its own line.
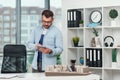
point(76, 28)
point(94, 47)
point(111, 47)
point(86, 34)
point(98, 27)
point(97, 68)
point(111, 27)
point(110, 68)
point(75, 47)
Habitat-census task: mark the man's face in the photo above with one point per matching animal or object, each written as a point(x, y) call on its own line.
point(47, 22)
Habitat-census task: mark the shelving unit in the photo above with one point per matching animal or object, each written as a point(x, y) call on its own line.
point(107, 72)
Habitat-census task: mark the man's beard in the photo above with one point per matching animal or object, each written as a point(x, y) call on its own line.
point(47, 26)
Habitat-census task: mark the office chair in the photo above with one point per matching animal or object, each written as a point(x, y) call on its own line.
point(14, 59)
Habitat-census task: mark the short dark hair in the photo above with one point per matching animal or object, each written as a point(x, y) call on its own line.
point(47, 13)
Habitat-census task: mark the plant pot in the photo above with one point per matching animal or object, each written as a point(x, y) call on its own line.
point(75, 44)
point(114, 64)
point(80, 25)
point(113, 23)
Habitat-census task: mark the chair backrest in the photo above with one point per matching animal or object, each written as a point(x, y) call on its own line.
point(14, 59)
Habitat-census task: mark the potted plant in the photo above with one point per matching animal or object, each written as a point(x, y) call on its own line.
point(75, 41)
point(114, 55)
point(113, 14)
point(58, 59)
point(81, 23)
point(95, 32)
point(97, 39)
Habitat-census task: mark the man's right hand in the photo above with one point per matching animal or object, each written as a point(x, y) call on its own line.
point(38, 46)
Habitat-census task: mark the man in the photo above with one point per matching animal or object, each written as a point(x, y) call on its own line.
point(47, 42)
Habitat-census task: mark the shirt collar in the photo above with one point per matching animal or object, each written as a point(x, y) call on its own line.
point(44, 30)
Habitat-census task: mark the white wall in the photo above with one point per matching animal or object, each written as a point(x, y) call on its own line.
point(69, 4)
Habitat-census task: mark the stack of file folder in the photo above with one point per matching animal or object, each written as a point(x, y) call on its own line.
point(73, 18)
point(93, 57)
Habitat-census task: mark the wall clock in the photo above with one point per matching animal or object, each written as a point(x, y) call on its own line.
point(95, 16)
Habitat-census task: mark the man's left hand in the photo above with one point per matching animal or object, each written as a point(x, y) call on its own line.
point(46, 50)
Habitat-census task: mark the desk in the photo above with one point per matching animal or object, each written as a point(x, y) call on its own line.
point(41, 76)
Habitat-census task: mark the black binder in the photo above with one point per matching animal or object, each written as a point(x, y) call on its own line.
point(87, 57)
point(73, 18)
point(77, 18)
point(91, 58)
point(99, 58)
point(68, 18)
point(94, 58)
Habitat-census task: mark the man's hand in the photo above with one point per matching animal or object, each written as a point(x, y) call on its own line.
point(38, 46)
point(45, 50)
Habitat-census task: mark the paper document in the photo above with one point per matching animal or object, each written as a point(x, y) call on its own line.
point(8, 76)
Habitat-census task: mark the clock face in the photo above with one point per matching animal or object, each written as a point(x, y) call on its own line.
point(96, 16)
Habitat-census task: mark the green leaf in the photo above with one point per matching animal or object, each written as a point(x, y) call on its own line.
point(114, 53)
point(95, 32)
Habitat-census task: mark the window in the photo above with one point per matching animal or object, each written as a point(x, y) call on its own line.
point(6, 32)
point(8, 8)
point(6, 18)
point(6, 12)
point(33, 24)
point(34, 17)
point(55, 6)
point(1, 25)
point(0, 18)
point(13, 17)
point(0, 38)
point(30, 12)
point(33, 11)
point(6, 39)
point(24, 12)
point(0, 33)
point(24, 31)
point(6, 25)
point(24, 25)
point(13, 24)
point(24, 17)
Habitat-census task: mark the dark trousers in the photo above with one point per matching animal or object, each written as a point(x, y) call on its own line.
point(39, 68)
